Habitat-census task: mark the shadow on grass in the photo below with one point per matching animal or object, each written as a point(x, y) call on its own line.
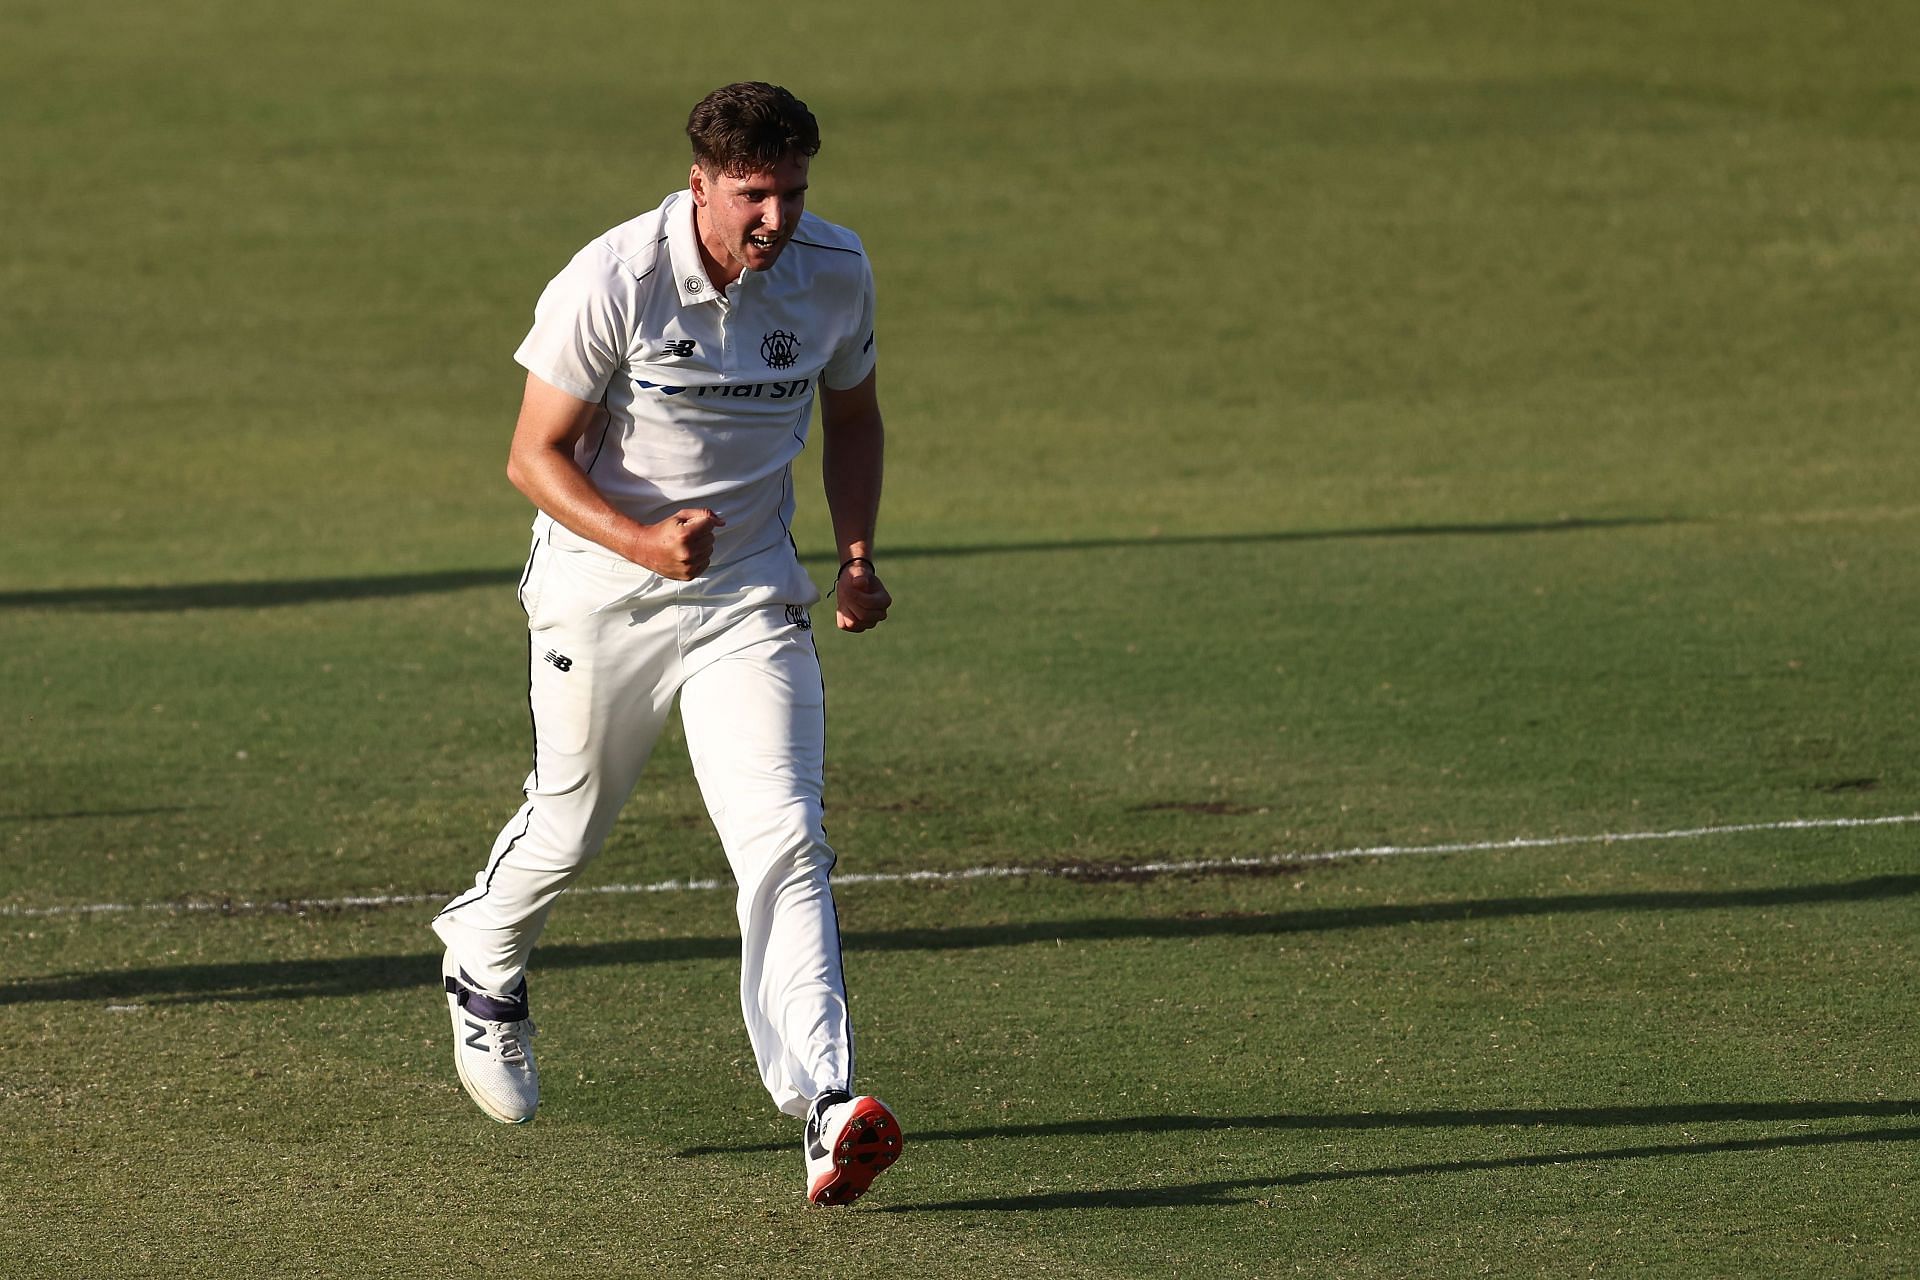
point(1223, 1191)
point(72, 814)
point(1617, 1117)
point(304, 978)
point(1326, 919)
point(298, 979)
point(174, 597)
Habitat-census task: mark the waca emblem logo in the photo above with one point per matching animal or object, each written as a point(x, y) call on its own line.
point(780, 349)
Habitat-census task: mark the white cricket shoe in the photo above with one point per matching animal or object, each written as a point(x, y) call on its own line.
point(850, 1142)
point(490, 1046)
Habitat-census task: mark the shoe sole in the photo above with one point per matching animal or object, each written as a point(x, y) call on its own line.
point(460, 1068)
point(869, 1142)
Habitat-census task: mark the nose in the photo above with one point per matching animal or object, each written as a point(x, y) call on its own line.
point(774, 216)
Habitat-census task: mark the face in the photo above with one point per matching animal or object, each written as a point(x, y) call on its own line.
point(745, 220)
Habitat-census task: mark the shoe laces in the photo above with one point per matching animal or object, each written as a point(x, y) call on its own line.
point(512, 1038)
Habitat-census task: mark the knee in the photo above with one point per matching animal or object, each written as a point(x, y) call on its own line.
point(790, 850)
point(564, 841)
point(804, 853)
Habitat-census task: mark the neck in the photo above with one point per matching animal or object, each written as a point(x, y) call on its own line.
point(721, 271)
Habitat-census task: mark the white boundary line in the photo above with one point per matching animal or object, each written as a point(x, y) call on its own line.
point(1069, 871)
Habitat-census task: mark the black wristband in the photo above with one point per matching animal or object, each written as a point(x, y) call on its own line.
point(849, 562)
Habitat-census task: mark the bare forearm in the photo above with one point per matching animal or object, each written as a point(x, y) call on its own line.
point(554, 482)
point(851, 465)
point(679, 547)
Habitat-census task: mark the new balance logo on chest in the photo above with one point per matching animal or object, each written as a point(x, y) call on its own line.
point(678, 349)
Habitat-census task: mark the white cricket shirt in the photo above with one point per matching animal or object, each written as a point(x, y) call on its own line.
point(708, 394)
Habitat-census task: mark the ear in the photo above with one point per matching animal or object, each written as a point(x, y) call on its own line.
point(697, 181)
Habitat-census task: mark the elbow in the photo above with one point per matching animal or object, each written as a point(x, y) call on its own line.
point(517, 472)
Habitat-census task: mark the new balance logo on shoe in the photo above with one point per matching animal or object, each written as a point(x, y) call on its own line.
point(492, 1046)
point(816, 1149)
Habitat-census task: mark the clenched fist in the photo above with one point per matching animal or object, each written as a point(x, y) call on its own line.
point(680, 546)
point(860, 602)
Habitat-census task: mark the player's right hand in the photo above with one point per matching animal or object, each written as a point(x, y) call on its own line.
point(680, 546)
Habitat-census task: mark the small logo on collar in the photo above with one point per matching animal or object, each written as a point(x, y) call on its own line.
point(780, 349)
point(695, 284)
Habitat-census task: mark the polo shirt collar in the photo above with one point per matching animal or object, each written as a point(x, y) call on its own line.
point(683, 251)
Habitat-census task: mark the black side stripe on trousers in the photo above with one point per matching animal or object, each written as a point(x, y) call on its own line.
point(839, 944)
point(532, 723)
point(484, 889)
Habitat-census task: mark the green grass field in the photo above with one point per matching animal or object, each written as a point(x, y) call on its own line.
point(1314, 427)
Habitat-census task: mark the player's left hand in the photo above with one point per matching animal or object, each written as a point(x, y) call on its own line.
point(860, 601)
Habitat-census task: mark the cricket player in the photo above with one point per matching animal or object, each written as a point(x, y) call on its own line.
point(672, 370)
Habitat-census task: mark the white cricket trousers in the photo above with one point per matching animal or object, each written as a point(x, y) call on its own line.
point(611, 646)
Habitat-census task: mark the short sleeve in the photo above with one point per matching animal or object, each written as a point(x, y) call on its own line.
point(582, 325)
point(855, 357)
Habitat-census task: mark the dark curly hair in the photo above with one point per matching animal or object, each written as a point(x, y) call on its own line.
point(749, 128)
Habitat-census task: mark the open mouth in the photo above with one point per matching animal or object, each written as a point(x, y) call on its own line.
point(763, 242)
